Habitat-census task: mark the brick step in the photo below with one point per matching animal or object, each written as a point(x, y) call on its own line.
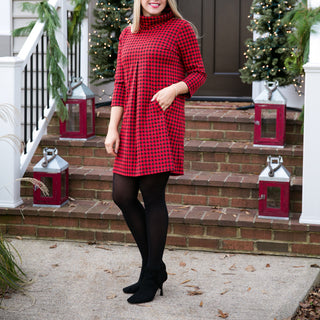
point(220, 189)
point(222, 123)
point(237, 157)
point(190, 227)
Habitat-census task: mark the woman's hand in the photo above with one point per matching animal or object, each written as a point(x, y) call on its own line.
point(165, 97)
point(112, 142)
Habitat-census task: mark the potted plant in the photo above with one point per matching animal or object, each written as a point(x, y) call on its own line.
point(269, 49)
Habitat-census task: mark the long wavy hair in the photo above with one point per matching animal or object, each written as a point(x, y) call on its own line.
point(137, 12)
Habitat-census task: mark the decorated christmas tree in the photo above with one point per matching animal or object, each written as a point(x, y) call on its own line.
point(266, 54)
point(111, 17)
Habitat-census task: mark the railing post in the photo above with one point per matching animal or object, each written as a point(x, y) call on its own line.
point(10, 93)
point(62, 34)
point(311, 144)
point(84, 51)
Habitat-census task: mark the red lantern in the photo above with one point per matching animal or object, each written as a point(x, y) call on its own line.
point(53, 171)
point(270, 117)
point(274, 190)
point(80, 104)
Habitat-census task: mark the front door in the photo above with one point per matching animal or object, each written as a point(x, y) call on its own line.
point(222, 26)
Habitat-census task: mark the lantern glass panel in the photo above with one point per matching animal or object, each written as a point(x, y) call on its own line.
point(89, 116)
point(49, 183)
point(268, 123)
point(73, 122)
point(63, 184)
point(273, 197)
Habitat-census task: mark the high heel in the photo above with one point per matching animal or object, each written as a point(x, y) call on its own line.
point(152, 281)
point(135, 287)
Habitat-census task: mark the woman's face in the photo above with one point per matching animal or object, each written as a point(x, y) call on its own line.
point(153, 7)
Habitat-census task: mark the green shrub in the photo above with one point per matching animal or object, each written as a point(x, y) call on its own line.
point(11, 275)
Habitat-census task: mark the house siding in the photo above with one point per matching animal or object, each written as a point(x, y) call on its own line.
point(20, 19)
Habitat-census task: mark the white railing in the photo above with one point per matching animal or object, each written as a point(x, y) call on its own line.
point(13, 163)
point(25, 53)
point(311, 144)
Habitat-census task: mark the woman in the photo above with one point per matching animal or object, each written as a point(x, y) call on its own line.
point(159, 65)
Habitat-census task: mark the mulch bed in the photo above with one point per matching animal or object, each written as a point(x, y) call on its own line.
point(309, 309)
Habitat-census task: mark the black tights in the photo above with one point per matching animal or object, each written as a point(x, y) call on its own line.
point(149, 223)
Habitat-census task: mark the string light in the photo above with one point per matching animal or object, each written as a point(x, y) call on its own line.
point(265, 55)
point(111, 17)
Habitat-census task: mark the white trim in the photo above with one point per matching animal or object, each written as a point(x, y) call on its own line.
point(312, 67)
point(85, 51)
point(313, 3)
point(309, 221)
point(311, 147)
point(6, 17)
point(30, 45)
point(311, 143)
point(10, 71)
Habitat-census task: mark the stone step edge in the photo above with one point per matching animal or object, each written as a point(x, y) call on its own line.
point(190, 146)
point(196, 178)
point(182, 214)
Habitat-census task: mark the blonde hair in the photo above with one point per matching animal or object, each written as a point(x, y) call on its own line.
point(137, 12)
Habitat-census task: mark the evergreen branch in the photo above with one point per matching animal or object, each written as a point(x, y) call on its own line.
point(29, 6)
point(74, 26)
point(302, 19)
point(24, 31)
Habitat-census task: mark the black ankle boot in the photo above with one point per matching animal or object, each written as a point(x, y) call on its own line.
point(135, 287)
point(152, 280)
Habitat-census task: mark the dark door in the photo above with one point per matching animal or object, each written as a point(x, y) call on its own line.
point(222, 26)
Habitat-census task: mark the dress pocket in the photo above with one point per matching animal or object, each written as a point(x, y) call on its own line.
point(156, 107)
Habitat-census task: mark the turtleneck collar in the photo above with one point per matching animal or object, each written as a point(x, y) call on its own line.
point(150, 22)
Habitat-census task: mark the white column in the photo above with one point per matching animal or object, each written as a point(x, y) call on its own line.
point(6, 17)
point(11, 72)
point(85, 51)
point(311, 144)
point(62, 33)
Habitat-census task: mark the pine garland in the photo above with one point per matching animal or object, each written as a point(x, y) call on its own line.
point(302, 19)
point(54, 56)
point(79, 12)
point(111, 17)
point(267, 54)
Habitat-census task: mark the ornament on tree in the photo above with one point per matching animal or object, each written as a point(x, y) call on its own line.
point(266, 54)
point(111, 17)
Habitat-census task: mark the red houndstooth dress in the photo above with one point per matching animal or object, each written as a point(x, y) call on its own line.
point(163, 52)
